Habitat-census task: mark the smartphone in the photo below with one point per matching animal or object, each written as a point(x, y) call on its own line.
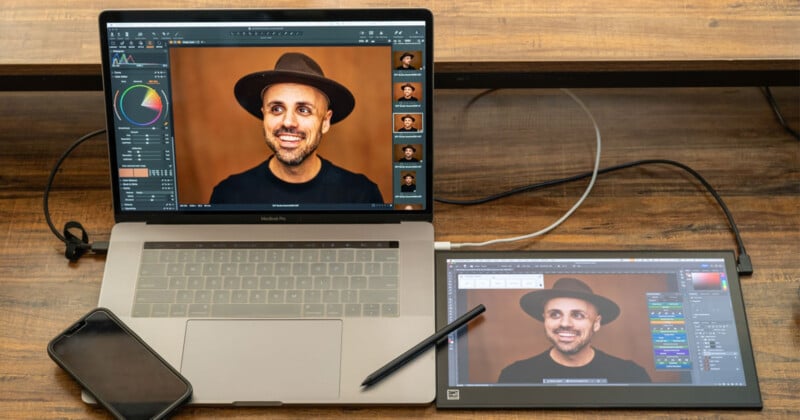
point(117, 368)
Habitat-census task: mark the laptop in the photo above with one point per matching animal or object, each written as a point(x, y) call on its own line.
point(273, 198)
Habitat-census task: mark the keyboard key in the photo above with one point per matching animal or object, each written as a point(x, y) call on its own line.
point(371, 309)
point(177, 282)
point(313, 309)
point(240, 296)
point(250, 282)
point(214, 283)
point(384, 255)
point(155, 296)
point(211, 269)
point(141, 310)
point(334, 310)
point(372, 269)
point(184, 296)
point(175, 269)
point(198, 310)
point(178, 309)
point(275, 296)
point(322, 282)
point(258, 296)
point(160, 310)
point(256, 310)
point(267, 282)
point(391, 269)
point(221, 255)
point(390, 309)
point(382, 283)
point(358, 282)
point(349, 296)
point(264, 269)
point(152, 283)
point(330, 296)
point(203, 296)
point(153, 270)
point(294, 296)
point(377, 296)
point(232, 282)
point(304, 282)
point(221, 296)
point(352, 309)
point(312, 296)
point(193, 269)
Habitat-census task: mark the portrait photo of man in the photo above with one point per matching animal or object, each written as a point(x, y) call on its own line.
point(408, 184)
point(407, 61)
point(279, 125)
point(407, 123)
point(407, 93)
point(408, 154)
point(571, 315)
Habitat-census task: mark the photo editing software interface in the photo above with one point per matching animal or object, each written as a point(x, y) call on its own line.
point(676, 313)
point(151, 151)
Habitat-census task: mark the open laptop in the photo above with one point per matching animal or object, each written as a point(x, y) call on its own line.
point(262, 286)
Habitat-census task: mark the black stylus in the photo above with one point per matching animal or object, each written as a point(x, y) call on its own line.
point(415, 351)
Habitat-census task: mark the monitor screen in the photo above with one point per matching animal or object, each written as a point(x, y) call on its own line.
point(226, 112)
point(595, 329)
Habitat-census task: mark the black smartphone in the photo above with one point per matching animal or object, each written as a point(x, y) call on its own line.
point(117, 368)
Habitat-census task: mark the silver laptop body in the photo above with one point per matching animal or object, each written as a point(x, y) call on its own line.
point(264, 331)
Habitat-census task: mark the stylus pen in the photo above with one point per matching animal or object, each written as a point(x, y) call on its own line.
point(415, 351)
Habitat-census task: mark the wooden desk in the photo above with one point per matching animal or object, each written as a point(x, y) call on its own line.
point(506, 138)
point(54, 45)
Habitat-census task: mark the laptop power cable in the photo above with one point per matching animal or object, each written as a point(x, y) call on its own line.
point(76, 244)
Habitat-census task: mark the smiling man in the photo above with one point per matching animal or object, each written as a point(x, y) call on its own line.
point(572, 314)
point(297, 105)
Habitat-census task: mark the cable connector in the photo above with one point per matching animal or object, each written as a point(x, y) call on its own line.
point(100, 247)
point(441, 246)
point(744, 266)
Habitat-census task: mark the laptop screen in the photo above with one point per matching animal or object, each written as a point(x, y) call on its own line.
point(269, 116)
point(573, 329)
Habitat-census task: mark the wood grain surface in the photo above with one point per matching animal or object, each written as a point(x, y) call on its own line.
point(504, 139)
point(65, 32)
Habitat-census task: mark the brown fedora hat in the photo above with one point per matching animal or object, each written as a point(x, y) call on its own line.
point(298, 68)
point(533, 303)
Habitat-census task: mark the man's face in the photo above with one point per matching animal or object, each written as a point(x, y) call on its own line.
point(407, 91)
point(409, 180)
point(408, 152)
point(570, 323)
point(407, 122)
point(407, 60)
point(295, 118)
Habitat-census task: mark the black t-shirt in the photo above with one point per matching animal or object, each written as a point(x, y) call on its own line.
point(331, 185)
point(603, 366)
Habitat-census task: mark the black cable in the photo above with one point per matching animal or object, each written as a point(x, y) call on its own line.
point(744, 266)
point(76, 246)
point(777, 111)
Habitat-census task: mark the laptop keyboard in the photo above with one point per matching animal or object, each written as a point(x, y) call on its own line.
point(268, 279)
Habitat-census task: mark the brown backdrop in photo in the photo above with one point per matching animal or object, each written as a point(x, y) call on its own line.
point(507, 334)
point(215, 137)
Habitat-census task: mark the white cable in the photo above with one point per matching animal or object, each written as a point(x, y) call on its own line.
point(446, 245)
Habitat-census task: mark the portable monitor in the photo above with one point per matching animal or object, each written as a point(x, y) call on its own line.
point(594, 329)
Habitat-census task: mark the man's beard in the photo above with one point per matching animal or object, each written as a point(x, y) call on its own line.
point(578, 345)
point(298, 155)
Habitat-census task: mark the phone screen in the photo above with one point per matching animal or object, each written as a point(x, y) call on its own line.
point(117, 368)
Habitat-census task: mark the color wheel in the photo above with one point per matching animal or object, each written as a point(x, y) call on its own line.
point(140, 105)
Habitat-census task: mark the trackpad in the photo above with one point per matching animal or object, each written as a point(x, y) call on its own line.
point(262, 361)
